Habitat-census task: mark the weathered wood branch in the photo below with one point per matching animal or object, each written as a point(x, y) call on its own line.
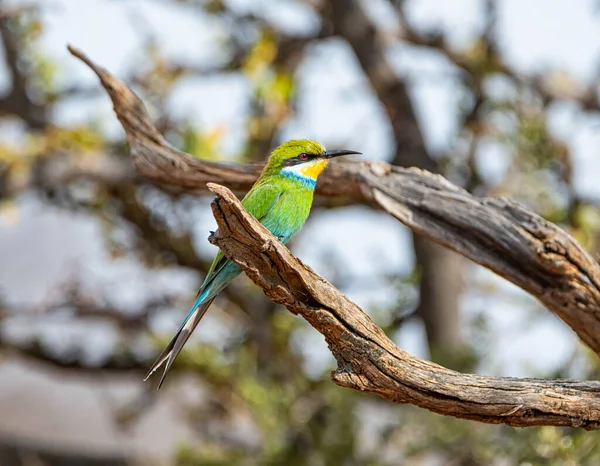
point(508, 239)
point(369, 361)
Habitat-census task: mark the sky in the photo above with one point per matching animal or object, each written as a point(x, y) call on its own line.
point(537, 35)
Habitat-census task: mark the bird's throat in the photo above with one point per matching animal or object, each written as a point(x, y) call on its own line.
point(313, 170)
point(306, 173)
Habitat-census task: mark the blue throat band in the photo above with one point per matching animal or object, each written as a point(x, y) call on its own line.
point(308, 182)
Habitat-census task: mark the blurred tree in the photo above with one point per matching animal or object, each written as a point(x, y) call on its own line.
point(256, 406)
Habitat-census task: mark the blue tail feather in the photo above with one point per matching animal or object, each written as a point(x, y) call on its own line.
point(210, 288)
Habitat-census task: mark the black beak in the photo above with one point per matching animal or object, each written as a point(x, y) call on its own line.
point(336, 153)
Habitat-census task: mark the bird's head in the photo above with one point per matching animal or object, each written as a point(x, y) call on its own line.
point(302, 158)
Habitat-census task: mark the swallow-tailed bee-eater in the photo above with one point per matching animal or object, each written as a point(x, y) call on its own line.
point(280, 200)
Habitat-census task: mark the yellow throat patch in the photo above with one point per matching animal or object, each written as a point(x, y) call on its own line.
point(313, 170)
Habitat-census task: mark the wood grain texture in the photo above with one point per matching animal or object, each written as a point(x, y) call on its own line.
point(517, 244)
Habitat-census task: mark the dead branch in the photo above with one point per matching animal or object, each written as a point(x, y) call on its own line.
point(367, 358)
point(508, 239)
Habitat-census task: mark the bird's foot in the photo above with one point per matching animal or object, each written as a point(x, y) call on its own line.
point(212, 238)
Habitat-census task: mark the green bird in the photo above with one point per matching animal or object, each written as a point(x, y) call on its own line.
point(281, 200)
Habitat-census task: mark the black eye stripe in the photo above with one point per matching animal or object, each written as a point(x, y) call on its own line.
point(299, 159)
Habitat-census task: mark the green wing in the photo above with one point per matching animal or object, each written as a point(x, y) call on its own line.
point(257, 202)
point(261, 198)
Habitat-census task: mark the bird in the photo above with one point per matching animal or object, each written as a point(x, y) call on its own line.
point(280, 200)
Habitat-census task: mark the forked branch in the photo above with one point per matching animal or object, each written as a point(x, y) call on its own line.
point(508, 239)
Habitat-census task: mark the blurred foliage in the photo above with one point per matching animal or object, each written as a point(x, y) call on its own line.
point(470, 444)
point(258, 404)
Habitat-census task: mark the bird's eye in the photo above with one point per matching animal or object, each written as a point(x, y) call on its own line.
point(303, 156)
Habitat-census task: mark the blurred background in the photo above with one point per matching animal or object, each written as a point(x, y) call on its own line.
point(98, 268)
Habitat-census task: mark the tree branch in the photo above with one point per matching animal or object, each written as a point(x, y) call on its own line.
point(123, 362)
point(18, 100)
point(508, 239)
point(367, 358)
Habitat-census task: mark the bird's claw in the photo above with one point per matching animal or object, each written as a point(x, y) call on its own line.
point(212, 237)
